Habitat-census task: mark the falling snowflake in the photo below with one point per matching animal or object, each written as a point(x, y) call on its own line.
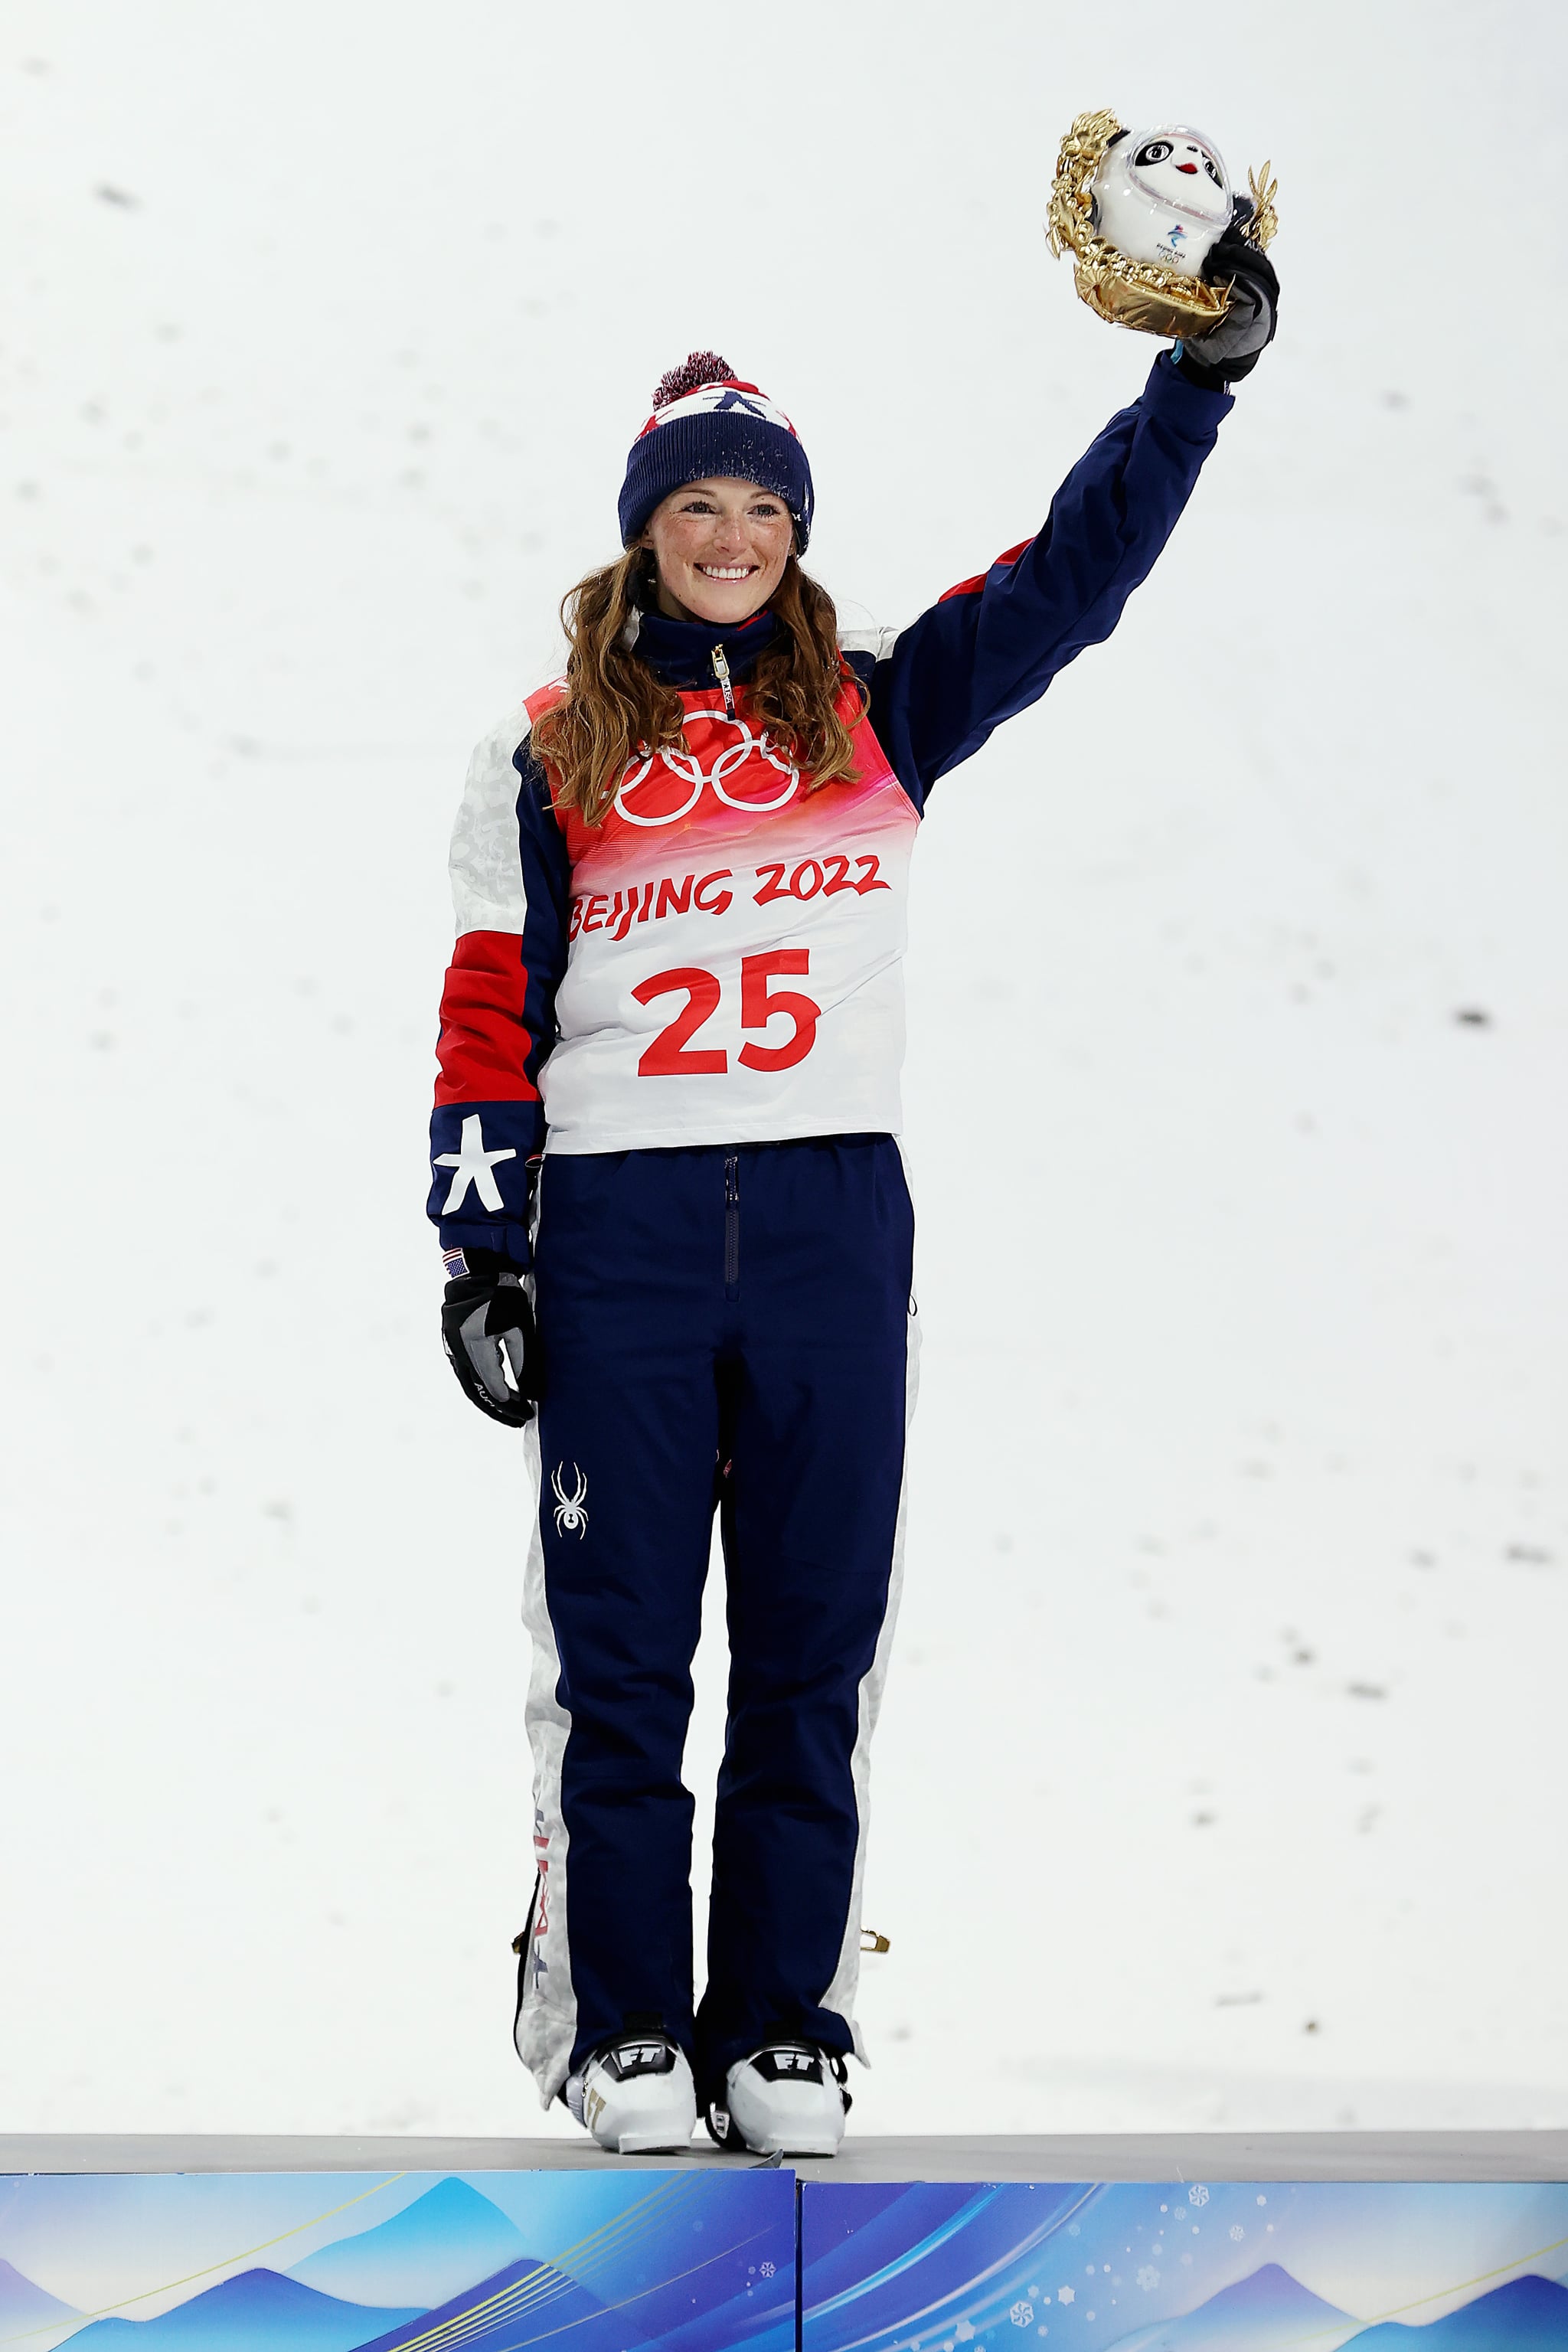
point(1021, 2313)
point(965, 2330)
point(1148, 2278)
point(1064, 2295)
point(767, 2269)
point(1237, 2230)
point(1197, 2194)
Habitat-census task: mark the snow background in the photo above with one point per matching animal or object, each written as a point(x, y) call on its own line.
point(1221, 1778)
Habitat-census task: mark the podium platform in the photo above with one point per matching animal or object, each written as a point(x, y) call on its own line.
point(1194, 2242)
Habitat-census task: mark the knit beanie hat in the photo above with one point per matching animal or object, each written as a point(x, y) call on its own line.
point(706, 421)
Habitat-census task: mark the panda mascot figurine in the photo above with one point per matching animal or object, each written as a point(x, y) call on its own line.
point(1162, 243)
point(1161, 196)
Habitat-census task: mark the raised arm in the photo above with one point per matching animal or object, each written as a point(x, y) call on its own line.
point(511, 885)
point(992, 644)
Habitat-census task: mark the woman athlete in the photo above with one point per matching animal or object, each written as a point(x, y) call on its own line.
point(674, 1215)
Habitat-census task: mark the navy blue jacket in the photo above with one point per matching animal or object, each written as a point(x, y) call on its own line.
point(987, 648)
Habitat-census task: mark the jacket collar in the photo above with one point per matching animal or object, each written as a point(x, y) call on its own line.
point(681, 651)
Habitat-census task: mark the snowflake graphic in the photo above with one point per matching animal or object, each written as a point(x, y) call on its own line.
point(767, 2269)
point(1021, 2313)
point(1064, 2295)
point(1148, 2278)
point(965, 2330)
point(1237, 2230)
point(1197, 2194)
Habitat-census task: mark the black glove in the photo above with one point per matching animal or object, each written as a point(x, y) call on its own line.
point(487, 1328)
point(1233, 348)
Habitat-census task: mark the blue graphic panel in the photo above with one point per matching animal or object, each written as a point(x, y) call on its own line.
point(1194, 2267)
point(655, 2261)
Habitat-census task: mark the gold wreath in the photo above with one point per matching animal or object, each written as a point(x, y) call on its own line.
point(1137, 294)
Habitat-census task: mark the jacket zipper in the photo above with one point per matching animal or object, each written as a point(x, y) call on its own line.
point(732, 1224)
point(722, 672)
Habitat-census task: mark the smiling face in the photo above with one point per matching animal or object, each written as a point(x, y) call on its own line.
point(720, 546)
point(1181, 170)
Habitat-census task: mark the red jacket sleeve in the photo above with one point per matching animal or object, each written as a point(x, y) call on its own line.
point(510, 887)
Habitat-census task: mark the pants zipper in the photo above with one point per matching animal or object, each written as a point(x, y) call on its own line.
point(733, 1224)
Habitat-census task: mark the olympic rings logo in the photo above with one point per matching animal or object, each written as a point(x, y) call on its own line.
point(690, 771)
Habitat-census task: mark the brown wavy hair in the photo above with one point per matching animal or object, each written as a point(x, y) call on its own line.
point(615, 708)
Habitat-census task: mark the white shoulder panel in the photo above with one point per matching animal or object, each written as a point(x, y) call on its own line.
point(485, 865)
point(879, 642)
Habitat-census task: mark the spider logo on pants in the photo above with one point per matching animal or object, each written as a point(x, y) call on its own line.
point(571, 1519)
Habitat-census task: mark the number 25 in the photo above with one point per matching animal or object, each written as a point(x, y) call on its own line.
point(671, 1056)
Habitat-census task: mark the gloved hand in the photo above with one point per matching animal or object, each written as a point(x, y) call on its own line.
point(488, 1329)
point(1233, 348)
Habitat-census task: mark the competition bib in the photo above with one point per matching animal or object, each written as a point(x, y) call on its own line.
point(733, 947)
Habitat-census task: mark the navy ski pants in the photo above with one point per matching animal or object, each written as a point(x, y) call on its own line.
point(729, 1328)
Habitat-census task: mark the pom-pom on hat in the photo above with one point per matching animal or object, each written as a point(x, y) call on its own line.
point(707, 420)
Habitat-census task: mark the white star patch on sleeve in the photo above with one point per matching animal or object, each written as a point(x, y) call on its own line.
point(472, 1165)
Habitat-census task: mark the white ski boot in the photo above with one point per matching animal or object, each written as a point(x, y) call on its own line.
point(636, 2095)
point(786, 2099)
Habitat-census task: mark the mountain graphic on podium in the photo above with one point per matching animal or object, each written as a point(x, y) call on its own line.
point(26, 2309)
point(435, 2247)
point(1528, 2314)
point(521, 2305)
point(1269, 2310)
point(259, 2311)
